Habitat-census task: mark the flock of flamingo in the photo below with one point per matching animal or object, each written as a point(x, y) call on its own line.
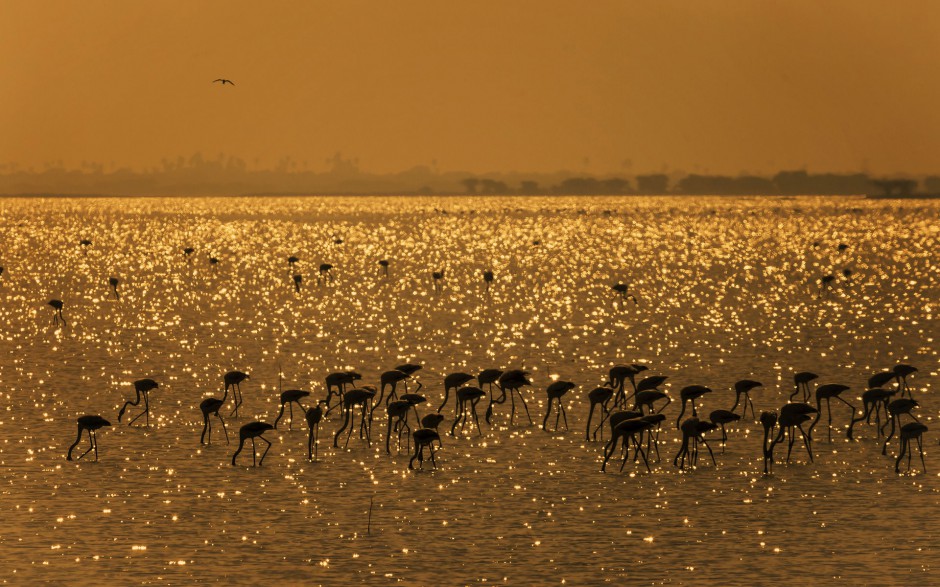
point(637, 426)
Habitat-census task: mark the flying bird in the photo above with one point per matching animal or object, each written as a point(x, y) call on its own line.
point(224, 81)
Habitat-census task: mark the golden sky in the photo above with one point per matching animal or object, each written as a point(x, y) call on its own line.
point(626, 86)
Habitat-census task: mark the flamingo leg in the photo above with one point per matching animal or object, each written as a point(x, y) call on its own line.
point(266, 449)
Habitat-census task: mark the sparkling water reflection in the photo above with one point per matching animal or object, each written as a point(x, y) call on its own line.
point(724, 290)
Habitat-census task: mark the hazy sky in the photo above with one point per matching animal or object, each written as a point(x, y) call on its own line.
point(477, 85)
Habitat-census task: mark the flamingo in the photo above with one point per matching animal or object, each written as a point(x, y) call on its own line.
point(251, 431)
point(792, 417)
point(488, 279)
point(769, 421)
point(598, 396)
point(689, 394)
point(92, 424)
point(489, 377)
point(627, 431)
point(143, 387)
point(555, 392)
point(801, 380)
point(289, 398)
point(358, 397)
point(743, 388)
point(622, 289)
point(57, 315)
point(398, 415)
point(896, 409)
point(291, 261)
point(297, 281)
point(438, 279)
point(383, 263)
point(233, 379)
point(113, 282)
point(722, 417)
point(212, 405)
point(873, 400)
point(424, 437)
point(432, 421)
point(326, 272)
point(468, 396)
point(339, 380)
point(901, 372)
point(391, 379)
point(618, 376)
point(911, 431)
point(314, 416)
point(453, 381)
point(512, 381)
point(828, 392)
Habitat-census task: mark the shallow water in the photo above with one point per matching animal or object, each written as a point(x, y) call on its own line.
point(727, 289)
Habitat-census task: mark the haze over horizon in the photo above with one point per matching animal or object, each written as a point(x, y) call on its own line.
point(610, 87)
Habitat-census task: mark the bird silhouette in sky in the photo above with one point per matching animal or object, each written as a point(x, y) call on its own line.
point(224, 81)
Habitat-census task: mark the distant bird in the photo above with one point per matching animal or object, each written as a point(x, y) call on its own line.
point(297, 280)
point(92, 424)
point(555, 392)
point(911, 431)
point(802, 380)
point(142, 387)
point(233, 379)
point(57, 316)
point(291, 397)
point(826, 284)
point(424, 438)
point(326, 273)
point(113, 282)
point(188, 251)
point(722, 417)
point(488, 279)
point(454, 381)
point(622, 289)
point(901, 372)
point(314, 416)
point(251, 431)
point(224, 81)
point(213, 261)
point(438, 278)
point(85, 243)
point(383, 263)
point(467, 399)
point(209, 406)
point(743, 388)
point(291, 261)
point(842, 247)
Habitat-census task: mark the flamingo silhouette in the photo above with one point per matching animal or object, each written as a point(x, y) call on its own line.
point(743, 388)
point(618, 376)
point(356, 398)
point(489, 377)
point(339, 381)
point(488, 279)
point(721, 418)
point(897, 408)
point(251, 431)
point(828, 392)
point(873, 400)
point(297, 280)
point(438, 280)
point(92, 424)
point(901, 372)
point(622, 289)
point(410, 369)
point(555, 392)
point(289, 398)
point(398, 411)
point(383, 263)
point(689, 394)
point(792, 417)
point(291, 261)
point(314, 416)
point(113, 282)
point(142, 387)
point(454, 381)
point(467, 397)
point(424, 438)
point(911, 431)
point(432, 421)
point(188, 251)
point(233, 379)
point(209, 406)
point(801, 380)
point(512, 382)
point(598, 396)
point(57, 315)
point(627, 430)
point(326, 273)
point(391, 379)
point(769, 421)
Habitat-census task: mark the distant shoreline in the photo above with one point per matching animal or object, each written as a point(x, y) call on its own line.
point(459, 195)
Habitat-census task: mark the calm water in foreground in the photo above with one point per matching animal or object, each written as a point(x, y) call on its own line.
point(727, 289)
